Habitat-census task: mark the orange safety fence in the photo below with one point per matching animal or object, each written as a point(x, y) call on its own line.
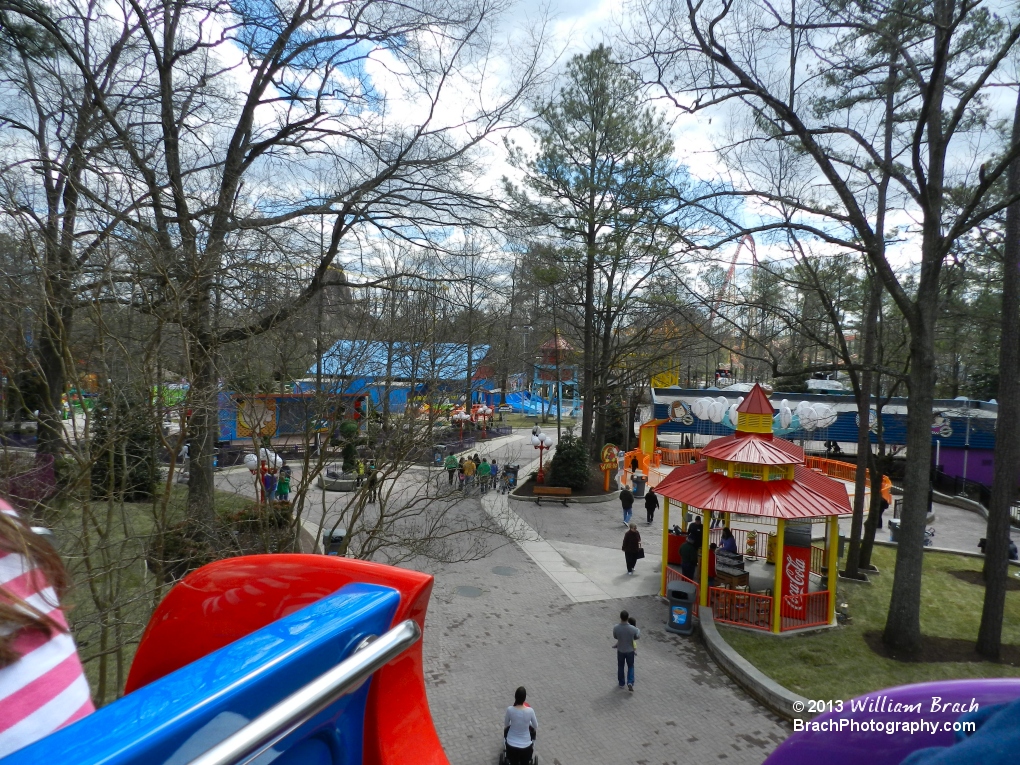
point(672, 575)
point(799, 611)
point(746, 609)
point(846, 471)
point(674, 457)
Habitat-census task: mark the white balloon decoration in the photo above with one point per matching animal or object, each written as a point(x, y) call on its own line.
point(251, 462)
point(826, 415)
point(715, 412)
point(808, 418)
point(785, 415)
point(733, 414)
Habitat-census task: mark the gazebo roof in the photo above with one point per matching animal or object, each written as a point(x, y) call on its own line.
point(808, 495)
point(748, 447)
point(756, 402)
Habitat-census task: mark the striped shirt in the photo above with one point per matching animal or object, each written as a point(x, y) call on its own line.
point(45, 689)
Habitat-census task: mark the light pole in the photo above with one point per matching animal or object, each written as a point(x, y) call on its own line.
point(540, 441)
point(461, 417)
point(485, 413)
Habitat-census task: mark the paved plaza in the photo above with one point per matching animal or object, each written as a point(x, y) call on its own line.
point(538, 610)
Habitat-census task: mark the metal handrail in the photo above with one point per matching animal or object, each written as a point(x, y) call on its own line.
point(294, 711)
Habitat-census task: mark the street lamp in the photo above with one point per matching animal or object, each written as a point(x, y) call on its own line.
point(461, 417)
point(485, 413)
point(540, 441)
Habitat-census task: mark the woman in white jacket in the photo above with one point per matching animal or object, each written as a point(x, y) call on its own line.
point(520, 726)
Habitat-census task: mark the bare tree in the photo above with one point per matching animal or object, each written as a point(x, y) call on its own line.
point(247, 104)
point(944, 57)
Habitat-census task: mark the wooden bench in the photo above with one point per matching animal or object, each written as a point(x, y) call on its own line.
point(551, 491)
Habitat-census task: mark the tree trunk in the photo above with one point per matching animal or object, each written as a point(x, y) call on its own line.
point(1007, 426)
point(863, 392)
point(588, 400)
point(203, 425)
point(903, 625)
point(874, 510)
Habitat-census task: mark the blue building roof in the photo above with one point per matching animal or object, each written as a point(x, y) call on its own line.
point(417, 361)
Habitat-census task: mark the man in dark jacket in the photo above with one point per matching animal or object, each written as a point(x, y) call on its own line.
point(688, 558)
point(651, 505)
point(627, 501)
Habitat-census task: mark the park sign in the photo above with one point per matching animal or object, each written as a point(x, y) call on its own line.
point(504, 408)
point(609, 463)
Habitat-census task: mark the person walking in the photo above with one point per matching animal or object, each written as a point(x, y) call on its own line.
point(450, 464)
point(374, 480)
point(359, 472)
point(469, 473)
point(625, 635)
point(484, 471)
point(632, 549)
point(520, 727)
point(283, 485)
point(651, 504)
point(493, 473)
point(627, 502)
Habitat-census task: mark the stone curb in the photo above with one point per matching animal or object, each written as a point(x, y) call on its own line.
point(961, 502)
point(571, 500)
point(770, 694)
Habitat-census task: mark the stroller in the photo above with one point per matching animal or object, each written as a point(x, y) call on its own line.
point(503, 760)
point(508, 478)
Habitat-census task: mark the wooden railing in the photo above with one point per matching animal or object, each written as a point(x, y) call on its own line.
point(846, 471)
point(799, 611)
point(817, 559)
point(745, 609)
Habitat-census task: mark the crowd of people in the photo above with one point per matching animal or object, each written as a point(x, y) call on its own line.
point(469, 472)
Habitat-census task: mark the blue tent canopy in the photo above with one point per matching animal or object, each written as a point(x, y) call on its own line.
point(432, 361)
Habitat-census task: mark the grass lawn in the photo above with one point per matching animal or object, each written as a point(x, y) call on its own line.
point(524, 421)
point(839, 664)
point(113, 593)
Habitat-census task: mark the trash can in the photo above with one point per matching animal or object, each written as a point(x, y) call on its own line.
point(894, 527)
point(681, 607)
point(331, 542)
point(438, 453)
point(639, 482)
point(511, 474)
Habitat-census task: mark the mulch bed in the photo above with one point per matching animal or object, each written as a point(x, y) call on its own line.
point(593, 489)
point(974, 577)
point(940, 649)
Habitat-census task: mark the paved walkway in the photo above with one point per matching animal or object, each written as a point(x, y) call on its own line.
point(539, 612)
point(502, 622)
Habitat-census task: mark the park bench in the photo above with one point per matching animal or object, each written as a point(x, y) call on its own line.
point(551, 491)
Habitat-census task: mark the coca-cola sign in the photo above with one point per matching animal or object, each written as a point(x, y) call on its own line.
point(796, 569)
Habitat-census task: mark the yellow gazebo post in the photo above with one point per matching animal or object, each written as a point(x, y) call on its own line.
point(665, 545)
point(704, 558)
point(683, 517)
point(833, 524)
point(726, 520)
point(777, 585)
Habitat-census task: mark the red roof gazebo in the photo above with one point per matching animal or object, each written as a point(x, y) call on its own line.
point(755, 475)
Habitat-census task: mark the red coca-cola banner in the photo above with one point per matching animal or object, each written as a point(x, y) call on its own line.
point(796, 570)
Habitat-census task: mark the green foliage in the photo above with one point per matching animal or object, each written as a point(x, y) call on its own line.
point(123, 451)
point(570, 464)
point(615, 427)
